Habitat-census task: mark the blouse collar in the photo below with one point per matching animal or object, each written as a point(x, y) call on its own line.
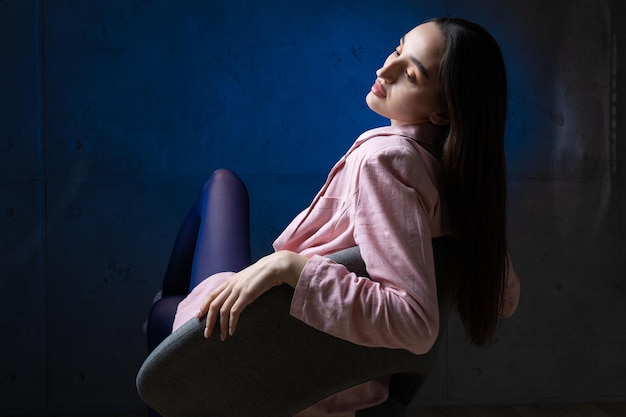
point(429, 136)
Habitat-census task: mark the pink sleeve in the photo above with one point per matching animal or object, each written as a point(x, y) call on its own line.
point(397, 308)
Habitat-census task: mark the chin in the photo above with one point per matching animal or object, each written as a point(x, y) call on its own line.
point(370, 100)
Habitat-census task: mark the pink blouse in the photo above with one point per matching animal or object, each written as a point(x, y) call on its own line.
point(383, 195)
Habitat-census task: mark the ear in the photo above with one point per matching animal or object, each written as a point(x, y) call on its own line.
point(440, 119)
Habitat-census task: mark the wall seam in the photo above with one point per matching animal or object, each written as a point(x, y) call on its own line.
point(39, 5)
point(617, 92)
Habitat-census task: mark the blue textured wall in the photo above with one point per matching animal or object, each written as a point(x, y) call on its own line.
point(114, 112)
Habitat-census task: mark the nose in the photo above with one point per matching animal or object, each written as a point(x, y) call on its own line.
point(388, 72)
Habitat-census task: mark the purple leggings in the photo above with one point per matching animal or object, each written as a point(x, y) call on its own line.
point(214, 237)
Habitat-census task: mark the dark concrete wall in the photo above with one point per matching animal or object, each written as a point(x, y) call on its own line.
point(114, 112)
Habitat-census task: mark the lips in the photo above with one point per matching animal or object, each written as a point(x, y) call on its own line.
point(379, 90)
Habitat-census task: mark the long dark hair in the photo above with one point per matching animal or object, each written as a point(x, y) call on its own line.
point(472, 83)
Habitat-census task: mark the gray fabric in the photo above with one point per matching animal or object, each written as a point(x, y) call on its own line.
point(275, 365)
point(351, 259)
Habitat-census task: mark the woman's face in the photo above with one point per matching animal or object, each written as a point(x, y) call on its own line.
point(406, 90)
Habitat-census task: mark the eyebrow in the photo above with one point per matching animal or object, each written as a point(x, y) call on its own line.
point(417, 62)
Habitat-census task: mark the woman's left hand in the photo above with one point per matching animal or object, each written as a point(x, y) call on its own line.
point(228, 300)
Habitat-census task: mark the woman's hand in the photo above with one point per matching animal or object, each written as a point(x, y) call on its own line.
point(228, 300)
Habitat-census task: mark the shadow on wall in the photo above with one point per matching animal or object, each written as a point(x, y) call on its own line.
point(566, 213)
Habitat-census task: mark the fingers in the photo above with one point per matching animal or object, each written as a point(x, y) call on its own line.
point(224, 305)
point(224, 318)
point(229, 314)
point(211, 308)
point(204, 308)
point(235, 312)
point(227, 301)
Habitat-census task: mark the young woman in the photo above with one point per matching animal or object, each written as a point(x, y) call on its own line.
point(437, 170)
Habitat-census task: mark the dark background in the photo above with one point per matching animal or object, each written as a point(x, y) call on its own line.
point(114, 112)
